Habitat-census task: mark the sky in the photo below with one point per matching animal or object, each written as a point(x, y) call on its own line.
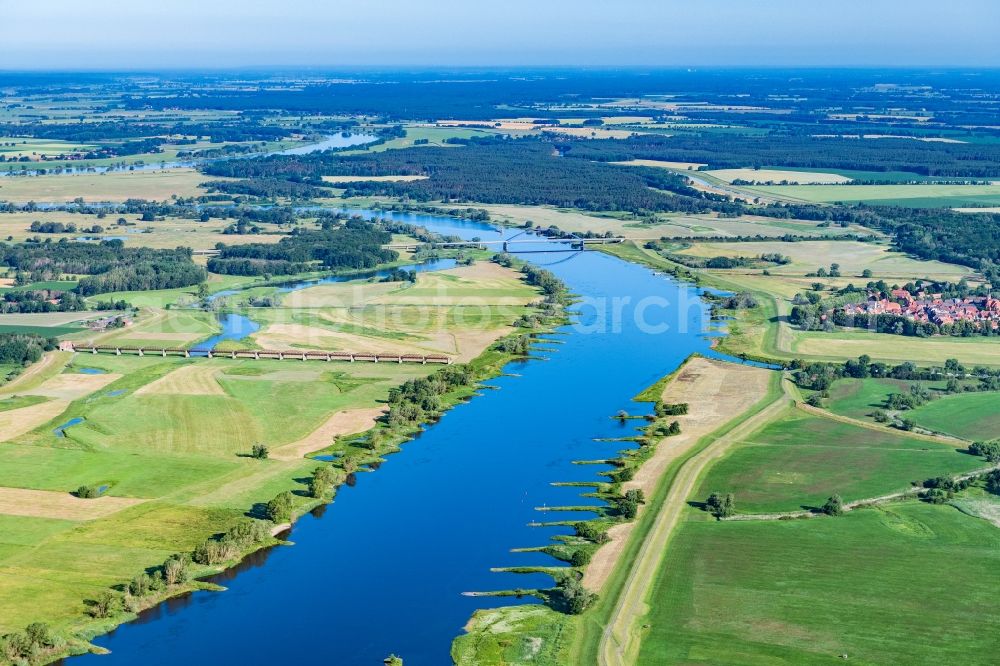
point(148, 34)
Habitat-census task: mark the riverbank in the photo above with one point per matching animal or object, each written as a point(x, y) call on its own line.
point(719, 396)
point(213, 503)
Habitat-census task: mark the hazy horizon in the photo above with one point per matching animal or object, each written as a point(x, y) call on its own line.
point(309, 34)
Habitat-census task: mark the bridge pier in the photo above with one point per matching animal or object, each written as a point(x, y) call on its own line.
point(209, 353)
point(118, 351)
point(187, 353)
point(93, 350)
point(352, 358)
point(140, 351)
point(163, 353)
point(232, 354)
point(256, 356)
point(281, 356)
point(303, 356)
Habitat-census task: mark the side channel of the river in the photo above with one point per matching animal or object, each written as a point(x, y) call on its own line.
point(382, 569)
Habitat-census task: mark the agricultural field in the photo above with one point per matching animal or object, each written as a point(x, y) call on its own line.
point(858, 398)
point(33, 149)
point(967, 415)
point(427, 136)
point(779, 176)
point(838, 345)
point(671, 225)
point(787, 578)
point(456, 312)
point(929, 195)
point(165, 233)
point(112, 186)
point(664, 164)
point(853, 257)
point(801, 459)
point(168, 438)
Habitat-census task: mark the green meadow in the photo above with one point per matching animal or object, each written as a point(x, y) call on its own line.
point(929, 195)
point(967, 415)
point(859, 398)
point(907, 584)
point(800, 460)
point(176, 439)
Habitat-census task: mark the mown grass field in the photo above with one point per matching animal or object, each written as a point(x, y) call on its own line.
point(800, 460)
point(174, 434)
point(664, 225)
point(116, 186)
point(166, 233)
point(795, 177)
point(853, 257)
point(973, 416)
point(930, 195)
point(858, 398)
point(838, 345)
point(910, 583)
point(456, 312)
point(180, 451)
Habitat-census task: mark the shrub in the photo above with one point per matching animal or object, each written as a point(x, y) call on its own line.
point(721, 506)
point(106, 605)
point(140, 585)
point(88, 492)
point(591, 532)
point(989, 450)
point(322, 482)
point(668, 409)
point(175, 569)
point(628, 504)
point(575, 597)
point(834, 506)
point(280, 508)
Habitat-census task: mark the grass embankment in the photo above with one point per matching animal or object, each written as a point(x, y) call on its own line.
point(513, 634)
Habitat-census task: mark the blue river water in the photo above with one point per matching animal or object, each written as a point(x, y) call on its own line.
point(336, 141)
point(382, 569)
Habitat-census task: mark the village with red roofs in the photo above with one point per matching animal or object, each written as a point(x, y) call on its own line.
point(930, 308)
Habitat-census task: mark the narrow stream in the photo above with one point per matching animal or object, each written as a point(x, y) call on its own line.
point(382, 569)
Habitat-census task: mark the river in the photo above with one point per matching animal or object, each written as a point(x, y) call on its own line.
point(336, 141)
point(382, 569)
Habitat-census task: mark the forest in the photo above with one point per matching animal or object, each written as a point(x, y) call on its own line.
point(522, 171)
point(108, 265)
point(23, 348)
point(355, 245)
point(734, 151)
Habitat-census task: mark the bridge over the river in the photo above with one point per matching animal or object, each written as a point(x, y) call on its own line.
point(257, 354)
point(513, 244)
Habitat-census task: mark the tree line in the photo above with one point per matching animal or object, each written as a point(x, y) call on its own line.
point(108, 265)
point(356, 244)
